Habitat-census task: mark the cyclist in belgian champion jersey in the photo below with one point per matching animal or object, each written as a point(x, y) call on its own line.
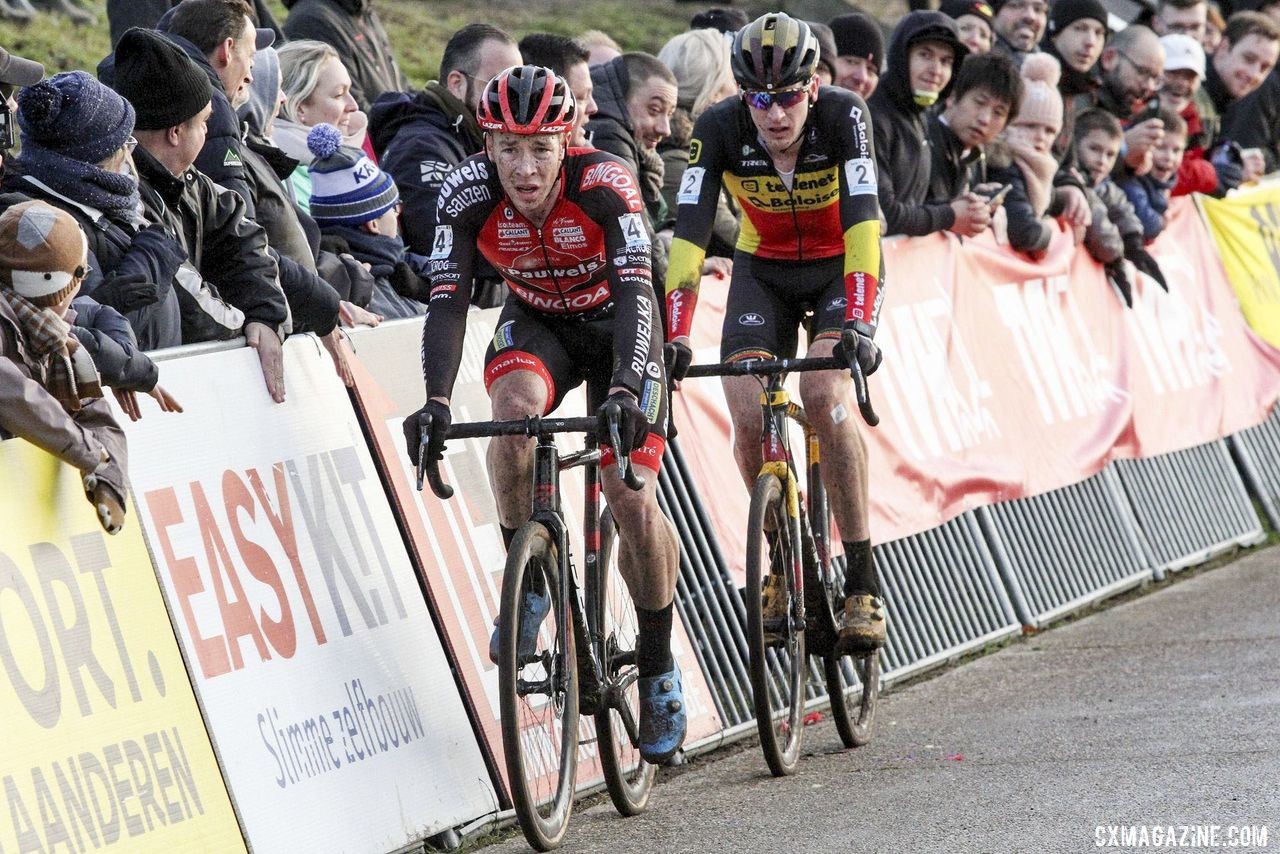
point(564, 228)
point(798, 159)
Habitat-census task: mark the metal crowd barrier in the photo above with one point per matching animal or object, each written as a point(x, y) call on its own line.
point(1190, 505)
point(943, 593)
point(1065, 548)
point(1257, 454)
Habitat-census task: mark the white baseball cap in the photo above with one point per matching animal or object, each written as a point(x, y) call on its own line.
point(1183, 53)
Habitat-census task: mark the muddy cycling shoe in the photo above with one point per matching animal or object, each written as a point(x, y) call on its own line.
point(662, 716)
point(773, 608)
point(862, 624)
point(533, 610)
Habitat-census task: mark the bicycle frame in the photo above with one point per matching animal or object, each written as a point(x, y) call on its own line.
point(547, 465)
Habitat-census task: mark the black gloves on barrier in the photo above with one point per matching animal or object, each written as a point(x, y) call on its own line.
point(1141, 258)
point(127, 292)
point(441, 418)
point(1118, 277)
point(861, 346)
point(678, 357)
point(633, 426)
point(409, 284)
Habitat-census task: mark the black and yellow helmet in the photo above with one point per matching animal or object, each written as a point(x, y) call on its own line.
point(775, 51)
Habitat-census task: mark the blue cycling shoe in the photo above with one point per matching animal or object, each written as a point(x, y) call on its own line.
point(533, 610)
point(662, 717)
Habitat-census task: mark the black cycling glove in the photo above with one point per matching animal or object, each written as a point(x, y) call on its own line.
point(856, 342)
point(441, 418)
point(678, 357)
point(633, 426)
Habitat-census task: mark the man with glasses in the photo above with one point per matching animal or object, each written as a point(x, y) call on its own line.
point(1019, 27)
point(798, 159)
point(1132, 75)
point(420, 136)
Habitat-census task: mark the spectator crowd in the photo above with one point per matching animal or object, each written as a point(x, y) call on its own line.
point(223, 175)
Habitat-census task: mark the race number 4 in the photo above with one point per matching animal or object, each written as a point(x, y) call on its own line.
point(633, 230)
point(442, 243)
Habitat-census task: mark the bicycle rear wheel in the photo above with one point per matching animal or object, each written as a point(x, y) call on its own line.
point(538, 694)
point(779, 709)
point(628, 778)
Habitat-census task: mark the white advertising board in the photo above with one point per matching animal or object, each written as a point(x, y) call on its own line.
point(331, 703)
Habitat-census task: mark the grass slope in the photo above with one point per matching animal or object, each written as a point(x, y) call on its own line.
point(418, 28)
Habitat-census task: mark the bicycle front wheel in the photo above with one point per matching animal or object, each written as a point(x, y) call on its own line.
point(777, 648)
point(628, 778)
point(538, 693)
point(853, 707)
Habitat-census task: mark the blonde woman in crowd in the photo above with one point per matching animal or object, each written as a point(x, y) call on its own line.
point(700, 61)
point(316, 89)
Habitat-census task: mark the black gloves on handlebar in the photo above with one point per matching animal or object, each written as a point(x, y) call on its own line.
point(441, 418)
point(860, 345)
point(633, 426)
point(678, 357)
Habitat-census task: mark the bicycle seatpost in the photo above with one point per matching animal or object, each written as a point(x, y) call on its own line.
point(626, 470)
point(428, 466)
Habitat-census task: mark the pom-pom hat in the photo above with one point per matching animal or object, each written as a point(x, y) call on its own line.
point(1041, 101)
point(346, 187)
point(76, 116)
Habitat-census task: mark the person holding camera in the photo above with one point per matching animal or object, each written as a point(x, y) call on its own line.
point(14, 72)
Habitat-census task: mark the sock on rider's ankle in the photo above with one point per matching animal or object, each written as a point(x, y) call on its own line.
point(860, 570)
point(653, 643)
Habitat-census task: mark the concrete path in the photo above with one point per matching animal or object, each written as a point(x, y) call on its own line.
point(1164, 710)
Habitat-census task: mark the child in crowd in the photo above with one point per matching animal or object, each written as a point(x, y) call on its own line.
point(357, 207)
point(1149, 194)
point(1022, 160)
point(1096, 146)
point(50, 392)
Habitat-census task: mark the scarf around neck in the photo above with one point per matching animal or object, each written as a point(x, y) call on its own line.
point(85, 183)
point(67, 369)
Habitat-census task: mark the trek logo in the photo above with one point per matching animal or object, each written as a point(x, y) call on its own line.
point(751, 319)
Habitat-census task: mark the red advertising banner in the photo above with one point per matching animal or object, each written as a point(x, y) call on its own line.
point(1005, 378)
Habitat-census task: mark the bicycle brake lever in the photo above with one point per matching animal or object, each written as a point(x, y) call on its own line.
point(428, 466)
point(625, 469)
point(864, 395)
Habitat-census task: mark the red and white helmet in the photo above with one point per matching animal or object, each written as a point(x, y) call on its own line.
point(527, 99)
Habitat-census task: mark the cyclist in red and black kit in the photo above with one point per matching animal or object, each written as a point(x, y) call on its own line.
point(564, 228)
point(797, 157)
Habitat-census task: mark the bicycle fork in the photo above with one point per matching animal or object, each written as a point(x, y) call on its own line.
point(776, 402)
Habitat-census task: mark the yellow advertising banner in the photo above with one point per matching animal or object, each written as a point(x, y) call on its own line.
point(1246, 228)
point(103, 747)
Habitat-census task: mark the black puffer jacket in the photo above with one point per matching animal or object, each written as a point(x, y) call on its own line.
point(132, 274)
point(903, 160)
point(418, 139)
point(354, 30)
point(610, 130)
point(236, 279)
point(107, 336)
